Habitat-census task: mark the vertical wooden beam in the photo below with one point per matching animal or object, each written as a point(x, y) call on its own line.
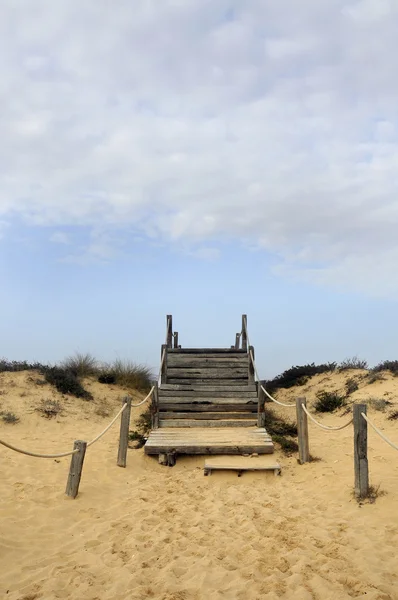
point(163, 372)
point(302, 430)
point(169, 331)
point(237, 341)
point(175, 335)
point(124, 433)
point(155, 407)
point(261, 405)
point(244, 332)
point(361, 451)
point(251, 367)
point(76, 467)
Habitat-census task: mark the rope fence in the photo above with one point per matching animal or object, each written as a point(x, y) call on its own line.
point(359, 419)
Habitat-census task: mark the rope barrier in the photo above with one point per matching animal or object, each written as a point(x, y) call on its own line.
point(36, 454)
point(107, 427)
point(327, 427)
point(145, 399)
point(258, 379)
point(383, 437)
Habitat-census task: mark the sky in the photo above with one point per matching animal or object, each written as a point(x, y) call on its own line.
point(205, 159)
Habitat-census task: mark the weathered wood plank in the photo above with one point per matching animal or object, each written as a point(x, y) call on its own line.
point(209, 423)
point(209, 351)
point(208, 363)
point(302, 431)
point(167, 406)
point(75, 469)
point(193, 387)
point(266, 448)
point(209, 467)
point(208, 394)
point(206, 415)
point(124, 433)
point(197, 400)
point(204, 381)
point(208, 372)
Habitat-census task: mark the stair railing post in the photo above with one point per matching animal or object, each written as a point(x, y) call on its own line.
point(155, 407)
point(244, 332)
point(169, 331)
point(261, 405)
point(163, 372)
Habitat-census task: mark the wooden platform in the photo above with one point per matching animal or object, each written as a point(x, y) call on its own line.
point(206, 440)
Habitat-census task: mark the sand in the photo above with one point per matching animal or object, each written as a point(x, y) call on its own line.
point(150, 531)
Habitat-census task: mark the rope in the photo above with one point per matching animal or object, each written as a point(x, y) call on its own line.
point(108, 426)
point(36, 454)
point(276, 401)
point(262, 387)
point(383, 437)
point(145, 399)
point(325, 426)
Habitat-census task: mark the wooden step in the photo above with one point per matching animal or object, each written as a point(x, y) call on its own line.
point(206, 415)
point(205, 381)
point(199, 394)
point(211, 466)
point(203, 361)
point(194, 387)
point(208, 373)
point(208, 351)
point(204, 440)
point(195, 407)
point(207, 400)
point(226, 422)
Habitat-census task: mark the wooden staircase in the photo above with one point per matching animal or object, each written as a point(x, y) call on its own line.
point(207, 401)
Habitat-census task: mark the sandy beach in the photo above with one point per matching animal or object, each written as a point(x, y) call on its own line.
point(150, 531)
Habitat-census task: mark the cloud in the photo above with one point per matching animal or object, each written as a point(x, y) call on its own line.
point(60, 237)
point(262, 122)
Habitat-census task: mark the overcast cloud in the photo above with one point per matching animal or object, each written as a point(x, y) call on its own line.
point(270, 123)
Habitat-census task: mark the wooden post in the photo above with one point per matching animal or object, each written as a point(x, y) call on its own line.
point(155, 407)
point(163, 372)
point(75, 470)
point(302, 430)
point(175, 339)
point(260, 407)
point(251, 366)
point(361, 452)
point(237, 341)
point(169, 331)
point(244, 332)
point(124, 433)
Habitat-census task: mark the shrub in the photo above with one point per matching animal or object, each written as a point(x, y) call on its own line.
point(393, 416)
point(107, 378)
point(131, 375)
point(66, 382)
point(378, 403)
point(353, 363)
point(50, 408)
point(81, 365)
point(328, 401)
point(351, 386)
point(373, 377)
point(14, 366)
point(387, 365)
point(9, 417)
point(277, 425)
point(144, 426)
point(298, 375)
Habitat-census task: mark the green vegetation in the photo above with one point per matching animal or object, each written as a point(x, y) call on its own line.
point(393, 416)
point(81, 365)
point(298, 375)
point(351, 386)
point(128, 374)
point(10, 418)
point(50, 408)
point(353, 363)
point(387, 365)
point(378, 403)
point(328, 401)
point(66, 382)
point(144, 425)
point(14, 366)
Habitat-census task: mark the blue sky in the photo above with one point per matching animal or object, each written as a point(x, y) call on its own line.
point(204, 159)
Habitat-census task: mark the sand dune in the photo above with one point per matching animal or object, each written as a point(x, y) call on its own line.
point(149, 531)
